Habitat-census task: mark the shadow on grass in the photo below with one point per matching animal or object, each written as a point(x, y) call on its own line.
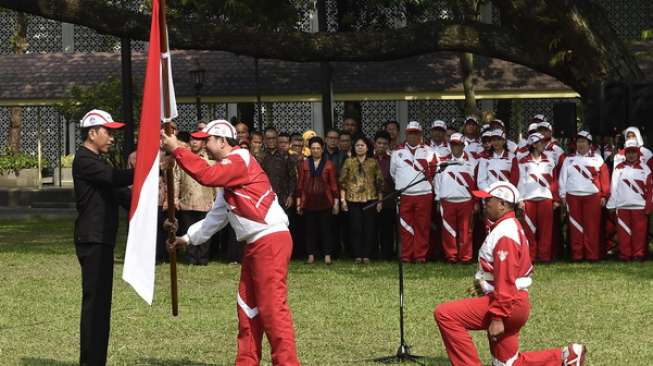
point(165, 362)
point(31, 361)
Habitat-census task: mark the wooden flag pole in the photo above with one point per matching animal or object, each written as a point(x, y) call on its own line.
point(169, 129)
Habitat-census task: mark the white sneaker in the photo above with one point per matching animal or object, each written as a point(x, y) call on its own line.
point(574, 355)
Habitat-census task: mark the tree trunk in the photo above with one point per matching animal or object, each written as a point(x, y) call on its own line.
point(467, 71)
point(467, 10)
point(16, 113)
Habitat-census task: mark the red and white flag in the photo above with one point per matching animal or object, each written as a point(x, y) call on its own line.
point(140, 255)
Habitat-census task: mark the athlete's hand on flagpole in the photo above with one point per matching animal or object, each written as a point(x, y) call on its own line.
point(170, 225)
point(179, 243)
point(169, 143)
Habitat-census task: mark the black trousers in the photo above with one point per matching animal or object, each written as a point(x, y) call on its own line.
point(343, 237)
point(386, 233)
point(361, 229)
point(319, 226)
point(96, 261)
point(298, 232)
point(197, 254)
point(161, 237)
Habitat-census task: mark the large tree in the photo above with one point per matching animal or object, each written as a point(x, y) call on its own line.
point(569, 40)
point(19, 46)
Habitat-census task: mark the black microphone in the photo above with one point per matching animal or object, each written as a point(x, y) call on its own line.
point(443, 165)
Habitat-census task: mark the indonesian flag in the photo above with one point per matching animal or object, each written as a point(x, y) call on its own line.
point(140, 255)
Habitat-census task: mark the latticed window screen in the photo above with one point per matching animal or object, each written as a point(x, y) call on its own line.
point(287, 116)
point(188, 114)
point(375, 114)
point(43, 35)
point(629, 18)
point(427, 111)
point(7, 29)
point(39, 123)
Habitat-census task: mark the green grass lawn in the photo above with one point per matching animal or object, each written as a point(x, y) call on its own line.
point(344, 314)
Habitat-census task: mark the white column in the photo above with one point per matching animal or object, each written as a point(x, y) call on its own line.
point(68, 37)
point(316, 118)
point(232, 111)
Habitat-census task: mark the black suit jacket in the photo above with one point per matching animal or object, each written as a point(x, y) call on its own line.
point(99, 190)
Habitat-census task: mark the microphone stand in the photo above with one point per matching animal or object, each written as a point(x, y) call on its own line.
point(403, 352)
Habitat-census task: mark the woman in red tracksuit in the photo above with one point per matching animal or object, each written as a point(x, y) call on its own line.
point(630, 197)
point(584, 186)
point(504, 277)
point(498, 164)
point(538, 187)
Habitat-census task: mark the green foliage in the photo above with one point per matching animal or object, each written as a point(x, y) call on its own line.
point(12, 161)
point(647, 34)
point(67, 160)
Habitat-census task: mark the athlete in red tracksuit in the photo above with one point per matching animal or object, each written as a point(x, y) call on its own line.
point(524, 147)
point(453, 187)
point(410, 163)
point(584, 186)
point(538, 186)
point(440, 148)
point(499, 164)
point(556, 153)
point(503, 309)
point(631, 194)
point(246, 201)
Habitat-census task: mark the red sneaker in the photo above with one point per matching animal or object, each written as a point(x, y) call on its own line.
point(574, 355)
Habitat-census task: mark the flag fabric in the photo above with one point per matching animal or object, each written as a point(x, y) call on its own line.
point(140, 256)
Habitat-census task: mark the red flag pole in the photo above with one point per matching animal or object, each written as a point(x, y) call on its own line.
point(169, 128)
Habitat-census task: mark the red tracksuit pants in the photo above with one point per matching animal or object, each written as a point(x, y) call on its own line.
point(538, 216)
point(632, 230)
point(415, 222)
point(456, 318)
point(457, 230)
point(584, 226)
point(263, 302)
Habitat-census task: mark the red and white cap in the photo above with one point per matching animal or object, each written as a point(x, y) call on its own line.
point(585, 135)
point(498, 133)
point(631, 145)
point(457, 138)
point(534, 138)
point(545, 124)
point(502, 190)
point(533, 127)
point(219, 127)
point(499, 122)
point(471, 118)
point(539, 118)
point(413, 126)
point(99, 117)
point(439, 124)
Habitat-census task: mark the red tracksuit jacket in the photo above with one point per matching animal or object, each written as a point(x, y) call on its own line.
point(504, 265)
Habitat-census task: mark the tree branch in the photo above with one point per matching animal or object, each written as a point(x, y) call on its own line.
point(416, 39)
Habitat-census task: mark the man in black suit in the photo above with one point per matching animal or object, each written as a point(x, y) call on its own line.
point(99, 189)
